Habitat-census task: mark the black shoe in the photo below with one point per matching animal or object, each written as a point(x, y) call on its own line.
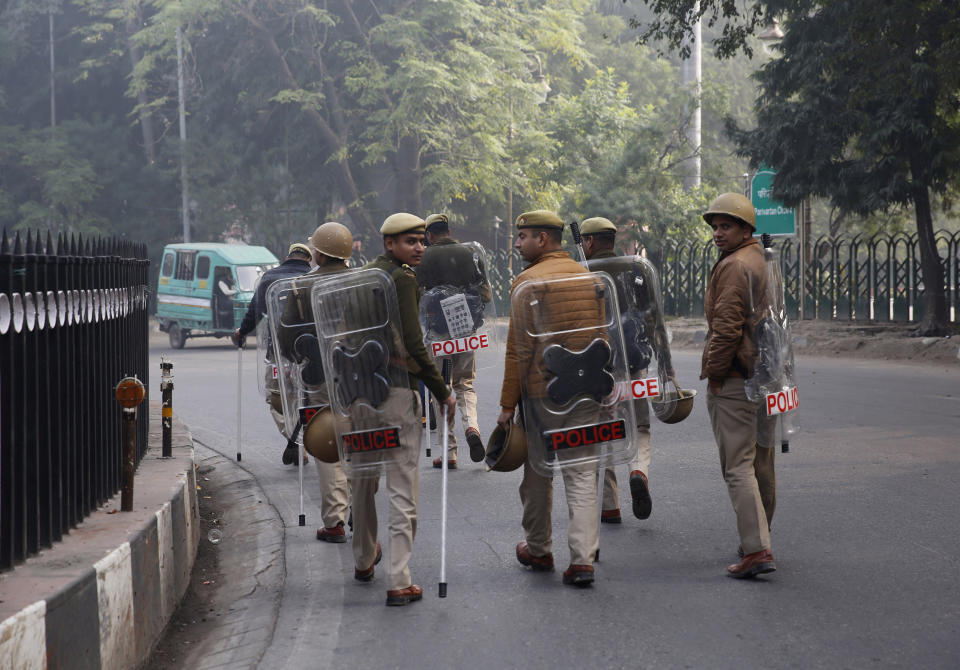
point(290, 453)
point(640, 492)
point(477, 450)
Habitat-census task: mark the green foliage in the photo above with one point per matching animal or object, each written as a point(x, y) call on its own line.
point(298, 112)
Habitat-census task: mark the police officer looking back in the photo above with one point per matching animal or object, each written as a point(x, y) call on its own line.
point(446, 262)
point(744, 437)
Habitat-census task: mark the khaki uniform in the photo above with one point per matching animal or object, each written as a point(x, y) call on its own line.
point(743, 433)
point(334, 488)
point(536, 491)
point(448, 262)
point(402, 408)
point(641, 407)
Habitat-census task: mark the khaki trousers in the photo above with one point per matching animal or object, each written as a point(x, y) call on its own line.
point(580, 487)
point(747, 468)
point(401, 408)
point(335, 493)
point(272, 391)
point(583, 527)
point(641, 462)
point(463, 372)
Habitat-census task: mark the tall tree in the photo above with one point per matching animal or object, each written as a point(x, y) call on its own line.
point(861, 108)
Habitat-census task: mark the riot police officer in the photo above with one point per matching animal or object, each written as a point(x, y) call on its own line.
point(599, 237)
point(446, 262)
point(539, 240)
point(403, 243)
point(737, 282)
point(295, 264)
point(331, 244)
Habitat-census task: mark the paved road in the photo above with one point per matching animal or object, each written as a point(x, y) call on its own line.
point(866, 539)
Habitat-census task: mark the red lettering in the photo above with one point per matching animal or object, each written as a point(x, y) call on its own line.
point(604, 432)
point(437, 346)
point(448, 347)
point(390, 440)
point(796, 397)
point(642, 389)
point(618, 430)
point(557, 439)
point(653, 387)
point(771, 403)
point(782, 401)
point(484, 341)
point(473, 342)
point(571, 434)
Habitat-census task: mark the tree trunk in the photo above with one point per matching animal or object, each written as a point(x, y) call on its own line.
point(934, 323)
point(146, 119)
point(406, 166)
point(335, 143)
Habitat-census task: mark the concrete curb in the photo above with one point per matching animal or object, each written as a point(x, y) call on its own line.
point(102, 597)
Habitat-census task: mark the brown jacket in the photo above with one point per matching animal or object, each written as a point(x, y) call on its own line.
point(571, 308)
point(735, 299)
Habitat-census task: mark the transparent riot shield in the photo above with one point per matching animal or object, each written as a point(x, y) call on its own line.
point(296, 351)
point(641, 320)
point(457, 313)
point(268, 373)
point(773, 381)
point(358, 323)
point(573, 372)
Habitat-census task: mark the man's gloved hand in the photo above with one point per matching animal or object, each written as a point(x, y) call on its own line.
point(238, 340)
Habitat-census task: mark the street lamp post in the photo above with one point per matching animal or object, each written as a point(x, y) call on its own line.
point(770, 37)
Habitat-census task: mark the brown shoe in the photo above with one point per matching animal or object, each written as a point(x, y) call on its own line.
point(535, 563)
point(578, 575)
point(336, 534)
point(611, 516)
point(640, 492)
point(404, 596)
point(438, 463)
point(757, 563)
point(367, 575)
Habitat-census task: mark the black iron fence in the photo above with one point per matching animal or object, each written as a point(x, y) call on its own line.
point(73, 322)
point(861, 278)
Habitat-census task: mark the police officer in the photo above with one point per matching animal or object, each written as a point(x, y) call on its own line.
point(296, 263)
point(403, 242)
point(737, 281)
point(331, 244)
point(539, 240)
point(449, 263)
point(599, 236)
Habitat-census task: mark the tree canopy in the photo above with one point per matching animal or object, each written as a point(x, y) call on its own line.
point(299, 111)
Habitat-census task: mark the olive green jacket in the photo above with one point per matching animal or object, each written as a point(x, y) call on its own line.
point(419, 363)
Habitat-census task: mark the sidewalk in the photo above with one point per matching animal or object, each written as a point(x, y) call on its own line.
point(843, 339)
point(102, 597)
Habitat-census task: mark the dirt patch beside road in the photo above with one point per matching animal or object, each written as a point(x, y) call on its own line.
point(845, 339)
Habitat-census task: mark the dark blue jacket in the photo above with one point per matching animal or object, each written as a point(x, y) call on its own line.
point(292, 267)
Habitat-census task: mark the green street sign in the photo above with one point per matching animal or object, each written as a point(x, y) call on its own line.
point(772, 216)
